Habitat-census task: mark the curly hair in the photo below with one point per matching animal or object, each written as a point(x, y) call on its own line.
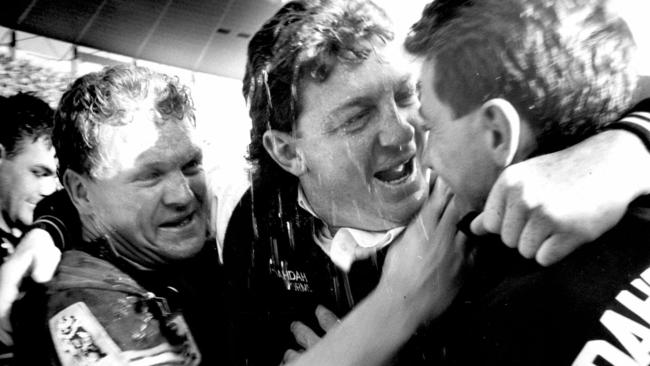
point(25, 118)
point(109, 98)
point(564, 65)
point(304, 40)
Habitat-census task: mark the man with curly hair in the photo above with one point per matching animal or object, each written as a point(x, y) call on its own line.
point(128, 289)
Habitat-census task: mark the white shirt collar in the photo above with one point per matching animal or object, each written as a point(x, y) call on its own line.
point(348, 244)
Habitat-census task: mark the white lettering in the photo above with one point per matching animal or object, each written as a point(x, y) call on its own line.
point(632, 335)
point(593, 349)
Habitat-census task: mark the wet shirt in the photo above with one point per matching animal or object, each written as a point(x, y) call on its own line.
point(278, 274)
point(92, 311)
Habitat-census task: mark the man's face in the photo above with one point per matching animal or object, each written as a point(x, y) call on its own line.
point(24, 180)
point(149, 192)
point(454, 149)
point(359, 145)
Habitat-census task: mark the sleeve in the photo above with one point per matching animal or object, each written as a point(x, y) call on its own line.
point(57, 215)
point(91, 325)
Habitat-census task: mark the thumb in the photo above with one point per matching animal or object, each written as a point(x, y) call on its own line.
point(478, 225)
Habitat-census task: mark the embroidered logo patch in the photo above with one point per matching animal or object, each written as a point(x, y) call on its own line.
point(80, 340)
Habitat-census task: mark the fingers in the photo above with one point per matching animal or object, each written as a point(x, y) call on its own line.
point(515, 218)
point(490, 220)
point(477, 226)
point(290, 356)
point(438, 201)
point(304, 335)
point(327, 320)
point(536, 231)
point(556, 247)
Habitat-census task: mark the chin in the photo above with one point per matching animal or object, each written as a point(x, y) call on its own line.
point(186, 249)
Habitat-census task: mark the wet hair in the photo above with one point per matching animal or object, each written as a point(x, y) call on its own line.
point(304, 40)
point(564, 65)
point(25, 119)
point(109, 98)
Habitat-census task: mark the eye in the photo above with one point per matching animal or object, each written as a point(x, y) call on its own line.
point(195, 166)
point(41, 173)
point(149, 176)
point(406, 97)
point(358, 121)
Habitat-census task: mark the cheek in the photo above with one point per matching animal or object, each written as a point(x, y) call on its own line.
point(198, 185)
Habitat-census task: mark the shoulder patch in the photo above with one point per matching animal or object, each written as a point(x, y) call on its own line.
point(80, 340)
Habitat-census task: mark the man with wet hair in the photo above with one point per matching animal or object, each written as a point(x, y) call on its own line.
point(130, 287)
point(336, 175)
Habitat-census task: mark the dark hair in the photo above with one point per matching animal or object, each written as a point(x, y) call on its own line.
point(25, 118)
point(304, 40)
point(109, 97)
point(564, 65)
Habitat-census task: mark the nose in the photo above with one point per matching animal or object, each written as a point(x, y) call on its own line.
point(178, 192)
point(48, 186)
point(396, 130)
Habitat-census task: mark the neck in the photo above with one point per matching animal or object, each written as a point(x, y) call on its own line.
point(4, 226)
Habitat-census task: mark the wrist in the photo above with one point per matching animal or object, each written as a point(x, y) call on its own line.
point(406, 310)
point(634, 162)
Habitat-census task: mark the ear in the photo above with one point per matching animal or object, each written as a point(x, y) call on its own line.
point(77, 187)
point(3, 153)
point(501, 125)
point(282, 148)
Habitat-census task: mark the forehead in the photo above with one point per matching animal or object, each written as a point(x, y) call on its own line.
point(146, 141)
point(32, 150)
point(385, 69)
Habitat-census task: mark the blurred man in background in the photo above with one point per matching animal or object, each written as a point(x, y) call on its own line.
point(27, 169)
point(27, 163)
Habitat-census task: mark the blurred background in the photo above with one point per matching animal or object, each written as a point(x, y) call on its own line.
point(44, 44)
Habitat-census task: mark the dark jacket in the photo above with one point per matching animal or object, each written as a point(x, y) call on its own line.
point(277, 274)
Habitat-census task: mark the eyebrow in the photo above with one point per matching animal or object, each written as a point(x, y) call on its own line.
point(398, 83)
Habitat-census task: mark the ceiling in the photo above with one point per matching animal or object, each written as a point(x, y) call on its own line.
point(209, 36)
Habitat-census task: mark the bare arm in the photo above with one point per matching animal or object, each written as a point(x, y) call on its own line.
point(550, 205)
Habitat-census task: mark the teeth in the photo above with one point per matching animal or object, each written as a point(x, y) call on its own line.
point(180, 223)
point(395, 174)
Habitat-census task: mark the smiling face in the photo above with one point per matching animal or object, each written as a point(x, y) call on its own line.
point(25, 179)
point(149, 192)
point(358, 143)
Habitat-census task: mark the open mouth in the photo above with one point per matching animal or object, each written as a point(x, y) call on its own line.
point(396, 174)
point(179, 223)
